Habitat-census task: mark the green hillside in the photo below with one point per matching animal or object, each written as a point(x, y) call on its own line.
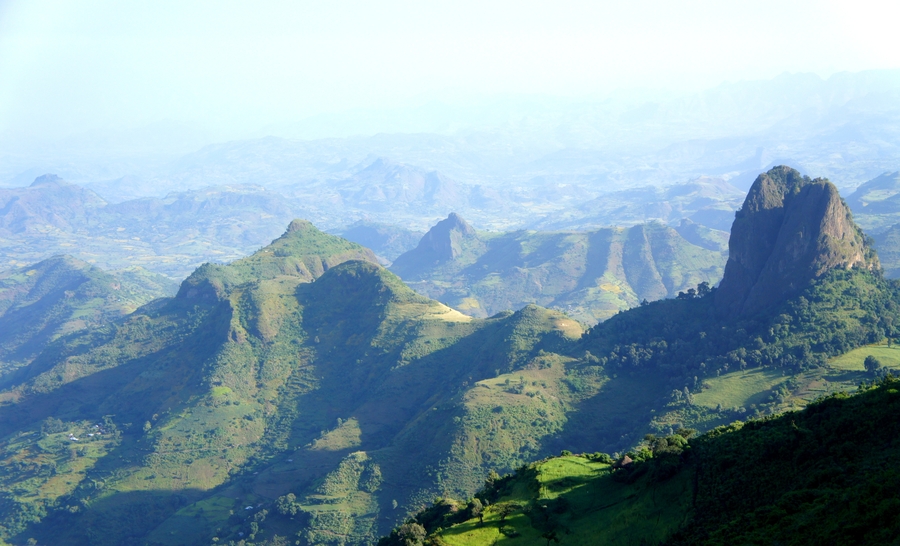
point(61, 295)
point(823, 475)
point(367, 401)
point(588, 275)
point(255, 383)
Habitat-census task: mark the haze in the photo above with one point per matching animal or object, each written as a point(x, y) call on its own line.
point(235, 68)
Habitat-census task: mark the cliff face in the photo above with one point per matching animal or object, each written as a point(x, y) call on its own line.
point(789, 231)
point(442, 243)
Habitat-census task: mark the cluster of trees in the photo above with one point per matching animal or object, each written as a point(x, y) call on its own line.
point(682, 337)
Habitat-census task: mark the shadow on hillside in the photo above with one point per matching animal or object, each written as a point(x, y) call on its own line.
point(120, 390)
point(612, 420)
point(120, 518)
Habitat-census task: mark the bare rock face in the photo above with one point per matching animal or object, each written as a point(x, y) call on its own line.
point(789, 231)
point(442, 243)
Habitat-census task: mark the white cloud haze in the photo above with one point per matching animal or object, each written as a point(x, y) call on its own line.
point(235, 67)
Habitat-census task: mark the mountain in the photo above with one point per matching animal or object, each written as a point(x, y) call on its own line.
point(387, 186)
point(447, 240)
point(171, 236)
point(789, 230)
point(304, 369)
point(740, 484)
point(49, 203)
point(590, 275)
point(60, 295)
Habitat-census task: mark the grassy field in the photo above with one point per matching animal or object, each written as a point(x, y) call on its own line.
point(578, 501)
point(853, 361)
point(739, 389)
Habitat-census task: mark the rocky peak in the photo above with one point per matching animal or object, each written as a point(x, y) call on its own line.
point(790, 230)
point(443, 240)
point(299, 225)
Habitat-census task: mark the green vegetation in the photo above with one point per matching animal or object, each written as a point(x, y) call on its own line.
point(826, 474)
point(253, 384)
point(61, 295)
point(588, 275)
point(367, 401)
point(306, 394)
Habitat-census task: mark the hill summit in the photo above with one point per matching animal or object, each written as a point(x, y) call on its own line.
point(790, 230)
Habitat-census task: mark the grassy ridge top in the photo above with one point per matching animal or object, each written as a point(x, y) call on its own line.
point(302, 251)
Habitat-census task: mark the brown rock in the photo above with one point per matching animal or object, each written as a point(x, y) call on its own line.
point(789, 231)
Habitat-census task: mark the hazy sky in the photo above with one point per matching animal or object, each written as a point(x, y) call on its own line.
point(237, 66)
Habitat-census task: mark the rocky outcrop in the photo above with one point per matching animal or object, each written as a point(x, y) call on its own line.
point(789, 231)
point(443, 242)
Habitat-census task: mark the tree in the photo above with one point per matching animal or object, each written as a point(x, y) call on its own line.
point(504, 511)
point(287, 505)
point(412, 534)
point(871, 364)
point(703, 289)
point(476, 509)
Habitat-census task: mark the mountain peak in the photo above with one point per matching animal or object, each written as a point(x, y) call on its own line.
point(303, 252)
point(455, 222)
point(298, 225)
point(790, 230)
point(47, 180)
point(443, 242)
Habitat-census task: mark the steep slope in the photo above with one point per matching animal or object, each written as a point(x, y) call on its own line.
point(589, 275)
point(789, 230)
point(449, 239)
point(301, 369)
point(61, 295)
point(818, 476)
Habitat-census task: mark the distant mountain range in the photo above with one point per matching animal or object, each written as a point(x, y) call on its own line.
point(175, 234)
point(590, 275)
point(843, 127)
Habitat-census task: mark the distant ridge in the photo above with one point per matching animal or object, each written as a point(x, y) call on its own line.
point(591, 275)
point(790, 230)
